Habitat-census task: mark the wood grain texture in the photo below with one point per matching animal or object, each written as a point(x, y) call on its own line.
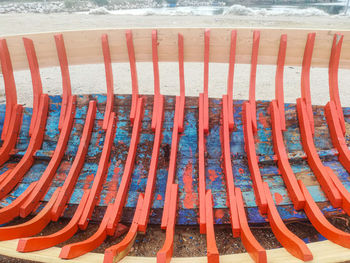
point(84, 47)
point(323, 251)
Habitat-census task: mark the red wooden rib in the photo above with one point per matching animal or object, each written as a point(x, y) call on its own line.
point(255, 250)
point(201, 166)
point(119, 251)
point(42, 242)
point(156, 79)
point(152, 173)
point(230, 185)
point(120, 199)
point(279, 95)
point(5, 174)
point(109, 79)
point(314, 160)
point(253, 66)
point(206, 81)
point(34, 144)
point(10, 86)
point(305, 78)
point(66, 84)
point(289, 241)
point(212, 250)
point(71, 179)
point(36, 80)
point(46, 178)
point(166, 252)
point(320, 222)
point(182, 83)
point(252, 159)
point(11, 211)
point(134, 81)
point(172, 165)
point(100, 174)
point(12, 134)
point(31, 227)
point(80, 248)
point(230, 78)
point(333, 77)
point(288, 175)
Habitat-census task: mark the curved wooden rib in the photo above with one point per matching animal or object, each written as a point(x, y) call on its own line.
point(31, 227)
point(36, 80)
point(109, 80)
point(100, 174)
point(166, 252)
point(212, 250)
point(119, 251)
point(288, 175)
point(279, 94)
point(46, 178)
point(201, 166)
point(253, 66)
point(172, 165)
point(182, 82)
point(34, 144)
point(155, 116)
point(151, 180)
point(66, 84)
point(120, 198)
point(71, 179)
point(305, 78)
point(252, 159)
point(10, 92)
point(230, 78)
point(289, 241)
point(321, 224)
point(206, 81)
point(43, 242)
point(230, 185)
point(255, 250)
point(81, 248)
point(133, 71)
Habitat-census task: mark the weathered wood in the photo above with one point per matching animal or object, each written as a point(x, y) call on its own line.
point(84, 47)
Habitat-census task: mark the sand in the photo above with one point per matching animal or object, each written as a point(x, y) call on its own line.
point(91, 78)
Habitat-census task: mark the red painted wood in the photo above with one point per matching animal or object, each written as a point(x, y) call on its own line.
point(252, 246)
point(206, 81)
point(134, 81)
point(34, 144)
point(10, 86)
point(288, 175)
point(252, 158)
point(43, 242)
point(72, 177)
point(66, 84)
point(120, 199)
point(230, 186)
point(31, 227)
point(315, 163)
point(101, 174)
point(36, 80)
point(212, 250)
point(182, 83)
point(230, 78)
point(305, 78)
point(156, 79)
point(252, 83)
point(166, 252)
point(320, 222)
point(279, 94)
point(119, 251)
point(152, 173)
point(201, 166)
point(109, 79)
point(45, 180)
point(289, 241)
point(333, 78)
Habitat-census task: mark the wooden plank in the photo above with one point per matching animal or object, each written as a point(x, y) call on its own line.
point(323, 251)
point(84, 47)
